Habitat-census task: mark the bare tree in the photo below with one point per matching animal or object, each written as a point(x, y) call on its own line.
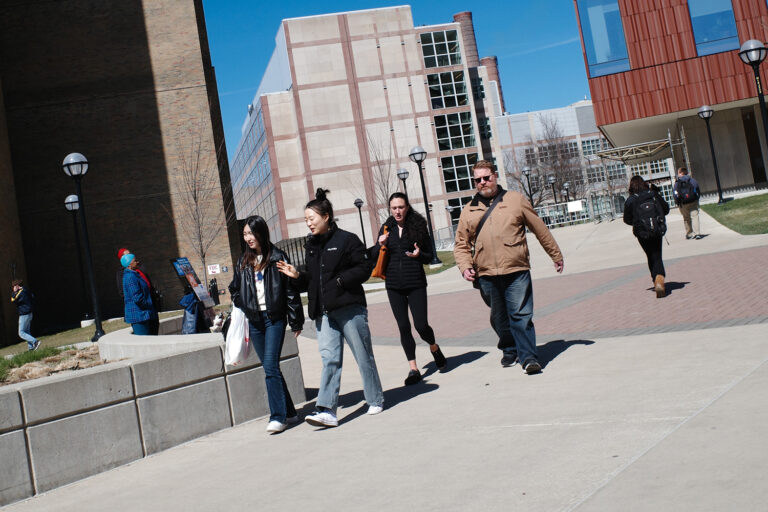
point(383, 175)
point(201, 214)
point(530, 186)
point(559, 157)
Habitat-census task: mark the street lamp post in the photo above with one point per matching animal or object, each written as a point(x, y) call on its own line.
point(72, 204)
point(705, 112)
point(75, 166)
point(418, 155)
point(403, 175)
point(359, 203)
point(566, 186)
point(552, 181)
point(753, 52)
point(527, 174)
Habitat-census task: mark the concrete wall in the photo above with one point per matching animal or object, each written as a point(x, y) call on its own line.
point(59, 429)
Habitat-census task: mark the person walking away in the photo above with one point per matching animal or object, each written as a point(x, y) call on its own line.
point(408, 245)
point(687, 193)
point(645, 210)
point(24, 301)
point(336, 268)
point(140, 310)
point(268, 299)
point(493, 250)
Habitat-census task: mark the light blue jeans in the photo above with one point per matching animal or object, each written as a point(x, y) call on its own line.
point(350, 323)
point(24, 323)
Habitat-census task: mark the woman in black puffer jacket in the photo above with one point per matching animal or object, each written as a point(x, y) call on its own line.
point(409, 248)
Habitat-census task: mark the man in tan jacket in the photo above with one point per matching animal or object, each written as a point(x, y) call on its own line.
point(498, 258)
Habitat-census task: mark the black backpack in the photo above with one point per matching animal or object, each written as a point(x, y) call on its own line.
point(685, 192)
point(648, 217)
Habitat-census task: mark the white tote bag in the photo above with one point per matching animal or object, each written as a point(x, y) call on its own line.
point(238, 344)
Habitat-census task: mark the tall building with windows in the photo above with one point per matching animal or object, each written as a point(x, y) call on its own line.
point(652, 65)
point(343, 100)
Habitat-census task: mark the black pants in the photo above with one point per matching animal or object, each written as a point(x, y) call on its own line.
point(399, 301)
point(652, 248)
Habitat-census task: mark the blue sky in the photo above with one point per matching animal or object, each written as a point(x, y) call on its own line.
point(537, 44)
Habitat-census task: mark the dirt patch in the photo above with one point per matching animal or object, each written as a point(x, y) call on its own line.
point(66, 361)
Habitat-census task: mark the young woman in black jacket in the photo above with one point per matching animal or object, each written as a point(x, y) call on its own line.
point(267, 297)
point(409, 249)
point(337, 267)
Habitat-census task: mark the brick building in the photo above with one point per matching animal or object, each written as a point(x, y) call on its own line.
point(343, 100)
point(130, 85)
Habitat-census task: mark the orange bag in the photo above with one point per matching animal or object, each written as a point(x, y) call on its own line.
point(381, 264)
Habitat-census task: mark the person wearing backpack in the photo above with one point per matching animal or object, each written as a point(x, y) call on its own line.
point(645, 211)
point(687, 194)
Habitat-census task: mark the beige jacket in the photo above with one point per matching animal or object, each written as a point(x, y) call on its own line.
point(502, 247)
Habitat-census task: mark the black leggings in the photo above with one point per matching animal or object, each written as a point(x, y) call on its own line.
point(652, 248)
point(399, 300)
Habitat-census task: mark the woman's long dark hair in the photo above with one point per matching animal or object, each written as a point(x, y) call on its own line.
point(415, 223)
point(260, 231)
point(637, 184)
point(321, 205)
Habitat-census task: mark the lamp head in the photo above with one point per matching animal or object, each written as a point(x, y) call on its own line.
point(753, 52)
point(527, 171)
point(359, 203)
point(551, 179)
point(75, 164)
point(72, 203)
point(402, 174)
point(417, 154)
point(705, 112)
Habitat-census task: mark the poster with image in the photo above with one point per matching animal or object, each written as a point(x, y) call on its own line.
point(184, 270)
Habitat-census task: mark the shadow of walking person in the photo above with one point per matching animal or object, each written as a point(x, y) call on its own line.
point(554, 348)
point(454, 362)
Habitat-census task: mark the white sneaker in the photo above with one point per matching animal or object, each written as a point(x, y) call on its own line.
point(322, 419)
point(374, 409)
point(292, 420)
point(275, 426)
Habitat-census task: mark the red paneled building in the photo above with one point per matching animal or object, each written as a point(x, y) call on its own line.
point(653, 64)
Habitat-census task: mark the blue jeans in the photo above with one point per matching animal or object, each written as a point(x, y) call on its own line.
point(511, 301)
point(24, 323)
point(267, 340)
point(350, 323)
point(147, 327)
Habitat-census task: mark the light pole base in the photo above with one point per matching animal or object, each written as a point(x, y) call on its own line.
point(433, 265)
point(98, 334)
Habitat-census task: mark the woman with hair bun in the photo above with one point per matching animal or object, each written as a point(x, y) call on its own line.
point(337, 267)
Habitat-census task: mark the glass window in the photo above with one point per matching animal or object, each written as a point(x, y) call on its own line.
point(457, 172)
point(447, 90)
point(454, 131)
point(595, 175)
point(714, 26)
point(591, 146)
point(440, 48)
point(455, 206)
point(603, 34)
point(616, 172)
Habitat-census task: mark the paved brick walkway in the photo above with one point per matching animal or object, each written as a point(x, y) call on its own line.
point(713, 290)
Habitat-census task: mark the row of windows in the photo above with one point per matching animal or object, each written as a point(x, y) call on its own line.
point(457, 172)
point(440, 48)
point(447, 90)
point(548, 153)
point(454, 131)
point(713, 23)
point(591, 146)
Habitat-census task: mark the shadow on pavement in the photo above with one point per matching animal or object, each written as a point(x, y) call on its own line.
point(552, 349)
point(454, 361)
point(674, 285)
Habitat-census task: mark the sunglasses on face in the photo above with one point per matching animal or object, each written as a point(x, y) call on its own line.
point(483, 178)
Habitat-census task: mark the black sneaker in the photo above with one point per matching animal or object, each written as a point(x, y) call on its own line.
point(508, 360)
point(36, 345)
point(532, 366)
point(413, 377)
point(440, 360)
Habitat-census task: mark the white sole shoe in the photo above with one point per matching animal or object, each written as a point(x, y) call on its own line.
point(275, 426)
point(322, 419)
point(374, 409)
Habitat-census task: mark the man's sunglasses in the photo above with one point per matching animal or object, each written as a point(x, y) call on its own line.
point(483, 178)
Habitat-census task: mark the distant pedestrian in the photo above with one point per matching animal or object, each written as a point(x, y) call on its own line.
point(157, 297)
point(140, 310)
point(269, 300)
point(491, 247)
point(409, 248)
point(25, 305)
point(645, 211)
point(687, 195)
point(337, 267)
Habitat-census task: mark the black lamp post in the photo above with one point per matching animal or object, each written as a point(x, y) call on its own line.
point(359, 203)
point(552, 181)
point(75, 166)
point(566, 186)
point(72, 204)
point(705, 112)
point(753, 52)
point(527, 174)
point(418, 155)
point(403, 175)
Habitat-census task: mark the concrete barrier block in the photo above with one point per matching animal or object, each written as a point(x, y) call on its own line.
point(176, 370)
point(15, 480)
point(171, 418)
point(10, 409)
point(69, 449)
point(124, 345)
point(294, 379)
point(248, 393)
point(59, 395)
point(290, 346)
point(170, 325)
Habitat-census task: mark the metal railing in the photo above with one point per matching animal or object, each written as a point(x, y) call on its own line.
point(294, 248)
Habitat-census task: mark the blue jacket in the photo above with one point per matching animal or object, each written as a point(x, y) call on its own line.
point(138, 301)
point(23, 301)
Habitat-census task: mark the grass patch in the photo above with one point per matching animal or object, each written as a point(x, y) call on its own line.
point(25, 357)
point(748, 216)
